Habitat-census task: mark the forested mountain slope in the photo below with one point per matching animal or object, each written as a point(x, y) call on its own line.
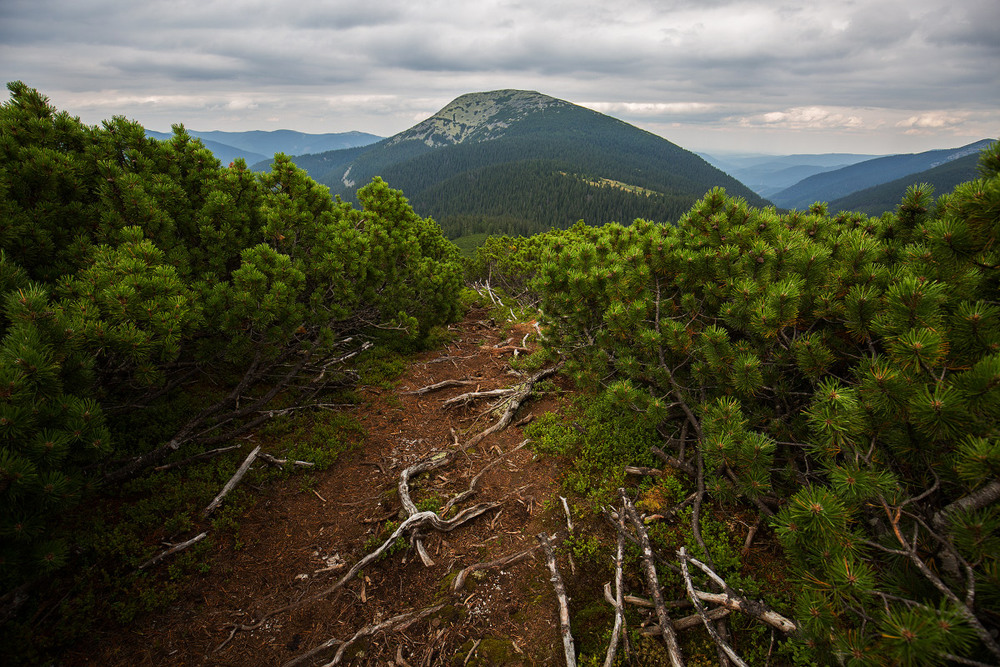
point(518, 162)
point(886, 197)
point(833, 185)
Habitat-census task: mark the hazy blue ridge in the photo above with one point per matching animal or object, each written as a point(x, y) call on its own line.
point(886, 197)
point(833, 185)
point(259, 146)
point(769, 174)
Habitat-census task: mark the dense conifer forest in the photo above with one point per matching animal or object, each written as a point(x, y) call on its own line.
point(836, 377)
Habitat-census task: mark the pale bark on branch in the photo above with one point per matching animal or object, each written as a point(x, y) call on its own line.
point(172, 550)
point(560, 589)
point(668, 634)
point(231, 484)
point(712, 632)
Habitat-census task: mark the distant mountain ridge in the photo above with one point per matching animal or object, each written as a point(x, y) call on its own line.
point(256, 146)
point(515, 161)
point(887, 196)
point(770, 174)
point(833, 185)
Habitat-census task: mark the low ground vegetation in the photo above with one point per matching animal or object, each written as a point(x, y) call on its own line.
point(783, 425)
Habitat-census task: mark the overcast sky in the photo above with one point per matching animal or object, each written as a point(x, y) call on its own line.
point(871, 76)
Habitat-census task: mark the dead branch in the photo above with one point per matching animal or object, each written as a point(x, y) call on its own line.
point(987, 495)
point(910, 550)
point(560, 589)
point(688, 622)
point(231, 484)
point(733, 600)
point(696, 511)
point(643, 472)
point(172, 550)
point(617, 602)
point(439, 385)
point(680, 464)
point(447, 358)
point(505, 561)
point(668, 634)
point(750, 535)
point(648, 604)
point(197, 457)
point(612, 518)
point(283, 462)
point(713, 633)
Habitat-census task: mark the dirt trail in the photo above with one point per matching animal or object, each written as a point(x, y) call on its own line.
point(501, 617)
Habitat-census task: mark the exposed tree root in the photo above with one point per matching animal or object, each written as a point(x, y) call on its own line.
point(504, 561)
point(438, 385)
point(395, 624)
point(411, 523)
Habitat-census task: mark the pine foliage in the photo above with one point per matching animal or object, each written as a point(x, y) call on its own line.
point(131, 267)
point(842, 370)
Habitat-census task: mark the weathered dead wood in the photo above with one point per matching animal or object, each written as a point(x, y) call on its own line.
point(643, 472)
point(910, 551)
point(617, 632)
point(750, 535)
point(679, 464)
point(560, 589)
point(283, 462)
point(637, 601)
point(468, 397)
point(197, 457)
point(411, 523)
point(712, 632)
point(447, 358)
point(733, 600)
point(505, 561)
point(436, 460)
point(172, 550)
point(397, 623)
point(514, 404)
point(231, 484)
point(668, 634)
point(444, 384)
point(688, 622)
point(612, 518)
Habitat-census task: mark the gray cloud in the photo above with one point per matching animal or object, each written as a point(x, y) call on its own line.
point(872, 75)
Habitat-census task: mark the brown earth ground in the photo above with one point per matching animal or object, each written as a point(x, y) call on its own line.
point(504, 616)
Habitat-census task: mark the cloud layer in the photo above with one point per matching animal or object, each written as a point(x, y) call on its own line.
point(866, 76)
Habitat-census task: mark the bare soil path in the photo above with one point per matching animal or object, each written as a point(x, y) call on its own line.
point(298, 541)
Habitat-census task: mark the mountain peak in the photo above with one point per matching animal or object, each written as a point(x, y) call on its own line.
point(477, 117)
